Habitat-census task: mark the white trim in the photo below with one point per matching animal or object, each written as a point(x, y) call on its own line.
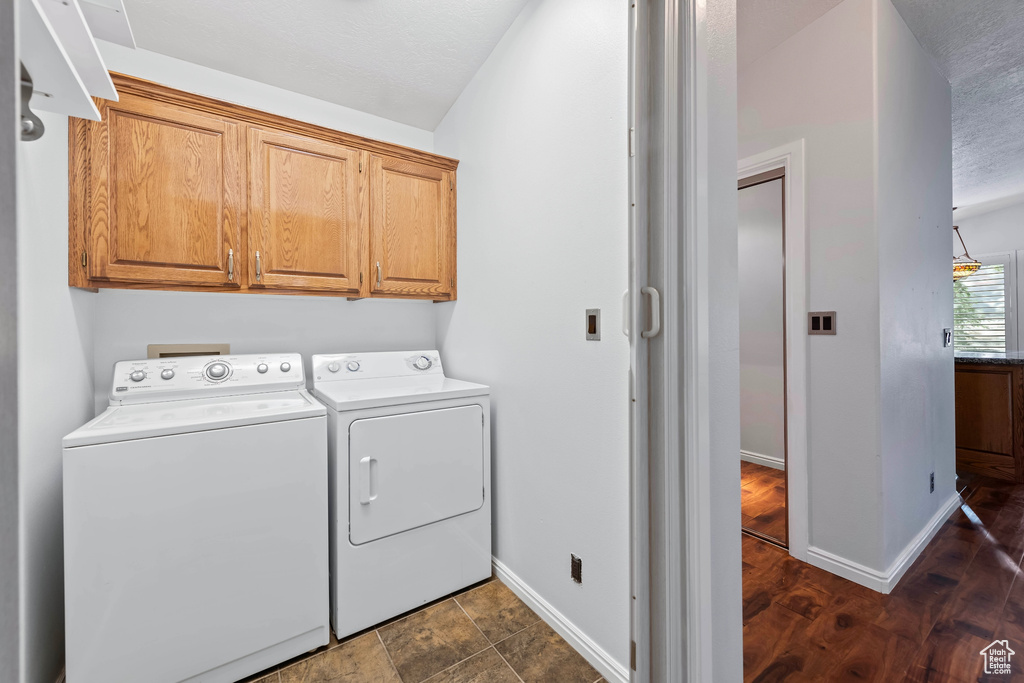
point(791, 157)
point(884, 582)
point(606, 665)
point(762, 459)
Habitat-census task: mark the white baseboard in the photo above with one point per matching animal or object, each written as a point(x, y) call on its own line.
point(607, 666)
point(884, 582)
point(762, 459)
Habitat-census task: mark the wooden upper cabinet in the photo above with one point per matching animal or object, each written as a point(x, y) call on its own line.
point(305, 209)
point(412, 229)
point(172, 190)
point(165, 195)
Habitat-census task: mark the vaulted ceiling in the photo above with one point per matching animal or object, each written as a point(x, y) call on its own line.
point(404, 61)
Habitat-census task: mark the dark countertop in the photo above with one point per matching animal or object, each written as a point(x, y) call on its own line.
point(1008, 358)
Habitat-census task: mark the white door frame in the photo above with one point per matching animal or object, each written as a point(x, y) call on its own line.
point(790, 157)
point(671, 502)
point(10, 579)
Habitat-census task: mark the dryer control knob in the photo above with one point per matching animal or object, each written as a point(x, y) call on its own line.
point(262, 368)
point(167, 373)
point(352, 365)
point(334, 366)
point(137, 376)
point(217, 371)
point(285, 367)
point(423, 363)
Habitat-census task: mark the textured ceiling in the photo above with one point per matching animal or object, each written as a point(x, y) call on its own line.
point(763, 24)
point(979, 46)
point(404, 60)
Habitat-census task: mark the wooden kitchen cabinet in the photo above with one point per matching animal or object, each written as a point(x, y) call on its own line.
point(305, 212)
point(990, 419)
point(178, 191)
point(156, 196)
point(412, 229)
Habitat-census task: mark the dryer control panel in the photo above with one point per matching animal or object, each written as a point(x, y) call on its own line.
point(170, 379)
point(377, 365)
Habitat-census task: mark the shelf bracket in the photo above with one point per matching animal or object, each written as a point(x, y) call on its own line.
point(32, 127)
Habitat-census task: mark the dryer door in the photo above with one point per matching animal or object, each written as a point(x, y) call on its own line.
point(414, 469)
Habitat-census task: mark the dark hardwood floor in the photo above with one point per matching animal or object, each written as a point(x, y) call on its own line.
point(763, 496)
point(964, 591)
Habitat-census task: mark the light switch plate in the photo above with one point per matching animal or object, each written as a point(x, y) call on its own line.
point(947, 336)
point(593, 324)
point(821, 322)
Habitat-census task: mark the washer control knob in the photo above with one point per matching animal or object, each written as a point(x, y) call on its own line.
point(262, 368)
point(137, 376)
point(352, 365)
point(167, 373)
point(334, 366)
point(217, 371)
point(423, 363)
point(285, 367)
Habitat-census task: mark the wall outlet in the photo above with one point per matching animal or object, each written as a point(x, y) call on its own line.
point(931, 483)
point(576, 568)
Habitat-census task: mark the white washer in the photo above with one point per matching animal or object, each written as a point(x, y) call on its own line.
point(410, 471)
point(195, 522)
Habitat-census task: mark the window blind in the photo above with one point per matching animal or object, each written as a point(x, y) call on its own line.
point(979, 311)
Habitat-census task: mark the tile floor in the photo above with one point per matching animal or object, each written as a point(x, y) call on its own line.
point(484, 634)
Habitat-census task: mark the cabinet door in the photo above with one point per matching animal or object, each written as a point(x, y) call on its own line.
point(166, 195)
point(304, 213)
point(412, 229)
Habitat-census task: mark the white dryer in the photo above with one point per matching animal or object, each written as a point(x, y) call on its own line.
point(195, 523)
point(410, 469)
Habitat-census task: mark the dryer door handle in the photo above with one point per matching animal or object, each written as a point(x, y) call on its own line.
point(367, 480)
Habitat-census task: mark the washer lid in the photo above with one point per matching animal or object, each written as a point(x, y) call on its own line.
point(394, 391)
point(145, 420)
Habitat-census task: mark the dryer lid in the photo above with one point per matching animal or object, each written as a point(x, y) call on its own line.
point(146, 420)
point(394, 391)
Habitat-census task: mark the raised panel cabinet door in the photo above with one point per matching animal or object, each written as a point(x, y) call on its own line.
point(412, 229)
point(165, 195)
point(304, 213)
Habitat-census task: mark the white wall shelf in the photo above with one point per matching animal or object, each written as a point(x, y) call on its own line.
point(108, 21)
point(68, 22)
point(57, 84)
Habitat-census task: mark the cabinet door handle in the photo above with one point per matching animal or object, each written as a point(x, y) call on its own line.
point(655, 312)
point(231, 264)
point(258, 269)
point(378, 274)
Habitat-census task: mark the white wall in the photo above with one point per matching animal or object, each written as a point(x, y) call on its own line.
point(875, 116)
point(55, 343)
point(126, 321)
point(819, 86)
point(762, 329)
point(914, 197)
point(541, 135)
point(723, 340)
point(992, 232)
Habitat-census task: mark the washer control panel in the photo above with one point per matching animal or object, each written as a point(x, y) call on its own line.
point(353, 366)
point(169, 379)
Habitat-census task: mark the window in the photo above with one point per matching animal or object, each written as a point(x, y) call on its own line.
point(983, 319)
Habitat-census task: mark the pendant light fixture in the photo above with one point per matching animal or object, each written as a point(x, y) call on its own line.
point(963, 265)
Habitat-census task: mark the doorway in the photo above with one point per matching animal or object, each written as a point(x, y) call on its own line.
point(762, 299)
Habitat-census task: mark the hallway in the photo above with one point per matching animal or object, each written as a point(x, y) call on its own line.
point(803, 624)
